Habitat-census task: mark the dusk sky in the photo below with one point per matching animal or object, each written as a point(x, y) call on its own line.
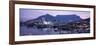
point(27, 14)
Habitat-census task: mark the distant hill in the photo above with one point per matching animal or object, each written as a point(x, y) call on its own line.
point(67, 18)
point(88, 19)
point(46, 17)
point(58, 18)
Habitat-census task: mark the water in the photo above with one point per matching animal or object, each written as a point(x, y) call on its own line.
point(47, 31)
point(34, 31)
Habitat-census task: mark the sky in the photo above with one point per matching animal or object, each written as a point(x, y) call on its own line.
point(27, 14)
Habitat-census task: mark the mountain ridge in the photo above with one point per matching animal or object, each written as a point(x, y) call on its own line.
point(57, 18)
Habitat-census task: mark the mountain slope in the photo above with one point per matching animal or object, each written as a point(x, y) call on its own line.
point(58, 18)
